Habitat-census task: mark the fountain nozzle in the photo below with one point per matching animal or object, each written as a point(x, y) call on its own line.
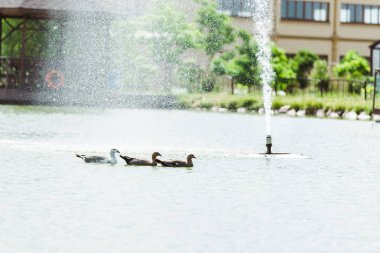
point(269, 144)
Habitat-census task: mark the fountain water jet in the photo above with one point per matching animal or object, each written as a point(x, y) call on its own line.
point(263, 19)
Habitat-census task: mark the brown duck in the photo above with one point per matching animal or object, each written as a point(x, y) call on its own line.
point(140, 162)
point(188, 163)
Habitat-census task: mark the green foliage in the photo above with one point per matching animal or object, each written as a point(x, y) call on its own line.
point(42, 37)
point(296, 105)
point(12, 45)
point(248, 70)
point(320, 74)
point(206, 105)
point(127, 53)
point(170, 34)
point(190, 75)
point(232, 106)
point(208, 83)
point(240, 64)
point(215, 28)
point(249, 103)
point(254, 101)
point(353, 67)
point(282, 68)
point(302, 64)
point(312, 106)
point(226, 65)
point(277, 105)
point(320, 70)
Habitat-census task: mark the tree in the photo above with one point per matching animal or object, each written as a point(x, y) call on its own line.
point(42, 37)
point(354, 68)
point(190, 75)
point(248, 70)
point(302, 64)
point(282, 68)
point(216, 30)
point(170, 35)
point(134, 61)
point(240, 64)
point(225, 65)
point(320, 74)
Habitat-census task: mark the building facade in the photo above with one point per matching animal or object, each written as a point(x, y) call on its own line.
point(329, 28)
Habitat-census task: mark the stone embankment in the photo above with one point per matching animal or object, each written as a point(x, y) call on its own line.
point(287, 110)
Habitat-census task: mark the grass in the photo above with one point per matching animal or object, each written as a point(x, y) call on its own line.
point(254, 101)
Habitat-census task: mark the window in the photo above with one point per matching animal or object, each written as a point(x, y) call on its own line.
point(299, 14)
point(357, 13)
point(240, 8)
point(308, 10)
point(305, 10)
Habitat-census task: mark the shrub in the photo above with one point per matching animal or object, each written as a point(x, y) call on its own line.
point(206, 105)
point(208, 84)
point(232, 106)
point(277, 105)
point(296, 106)
point(312, 107)
point(302, 64)
point(247, 102)
point(358, 109)
point(353, 67)
point(339, 108)
point(189, 75)
point(320, 74)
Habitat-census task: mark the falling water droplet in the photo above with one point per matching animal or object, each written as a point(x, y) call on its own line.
point(263, 19)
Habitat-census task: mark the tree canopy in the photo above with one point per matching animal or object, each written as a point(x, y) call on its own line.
point(353, 67)
point(168, 35)
point(303, 62)
point(281, 67)
point(215, 27)
point(241, 64)
point(320, 70)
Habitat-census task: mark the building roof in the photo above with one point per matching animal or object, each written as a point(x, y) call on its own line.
point(49, 8)
point(376, 44)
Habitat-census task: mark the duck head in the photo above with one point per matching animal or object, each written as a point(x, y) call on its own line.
point(190, 160)
point(114, 150)
point(155, 154)
point(191, 156)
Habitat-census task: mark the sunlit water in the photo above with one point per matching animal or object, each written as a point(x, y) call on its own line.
point(231, 201)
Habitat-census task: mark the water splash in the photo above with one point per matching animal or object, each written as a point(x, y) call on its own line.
point(263, 19)
point(84, 53)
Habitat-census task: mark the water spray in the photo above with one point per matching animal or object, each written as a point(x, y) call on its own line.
point(263, 18)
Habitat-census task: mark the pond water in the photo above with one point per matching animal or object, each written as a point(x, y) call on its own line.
point(231, 201)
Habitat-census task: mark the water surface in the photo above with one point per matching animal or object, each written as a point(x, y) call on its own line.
point(231, 201)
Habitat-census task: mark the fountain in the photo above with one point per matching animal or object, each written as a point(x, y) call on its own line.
point(269, 144)
point(263, 19)
point(88, 62)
